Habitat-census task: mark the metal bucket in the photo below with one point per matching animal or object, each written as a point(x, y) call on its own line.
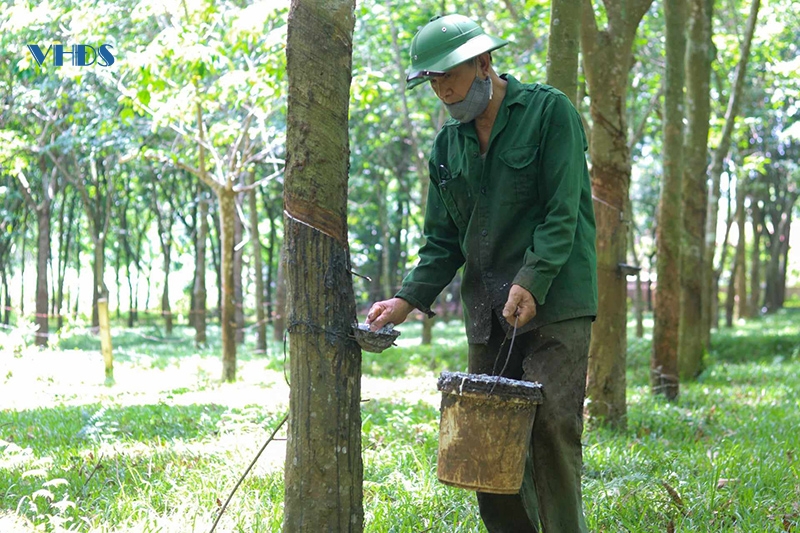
point(485, 431)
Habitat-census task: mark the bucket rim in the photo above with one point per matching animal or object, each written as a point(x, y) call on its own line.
point(461, 383)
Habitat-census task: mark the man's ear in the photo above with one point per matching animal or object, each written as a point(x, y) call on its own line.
point(484, 64)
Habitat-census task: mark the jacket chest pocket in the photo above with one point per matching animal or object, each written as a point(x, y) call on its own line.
point(456, 195)
point(522, 168)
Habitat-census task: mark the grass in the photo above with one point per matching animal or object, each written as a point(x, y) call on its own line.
point(159, 451)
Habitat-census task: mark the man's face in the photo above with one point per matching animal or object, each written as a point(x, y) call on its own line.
point(453, 85)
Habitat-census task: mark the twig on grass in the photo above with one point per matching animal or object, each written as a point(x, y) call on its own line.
point(247, 471)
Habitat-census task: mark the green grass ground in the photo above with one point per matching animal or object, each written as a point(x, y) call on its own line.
point(160, 450)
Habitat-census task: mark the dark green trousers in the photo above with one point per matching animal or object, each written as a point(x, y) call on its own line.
point(555, 355)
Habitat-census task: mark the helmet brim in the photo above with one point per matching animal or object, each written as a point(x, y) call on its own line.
point(439, 65)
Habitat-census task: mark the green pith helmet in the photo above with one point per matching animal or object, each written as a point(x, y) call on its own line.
point(446, 42)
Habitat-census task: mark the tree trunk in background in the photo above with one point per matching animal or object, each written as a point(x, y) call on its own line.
point(323, 452)
point(664, 360)
point(258, 270)
point(238, 271)
point(638, 298)
point(216, 260)
point(273, 237)
point(730, 298)
point(741, 269)
point(279, 320)
point(22, 266)
point(7, 301)
point(784, 264)
point(723, 258)
point(755, 260)
point(716, 167)
point(386, 236)
point(98, 268)
point(691, 338)
point(562, 46)
point(166, 310)
point(227, 215)
point(131, 302)
point(42, 257)
point(199, 288)
point(607, 59)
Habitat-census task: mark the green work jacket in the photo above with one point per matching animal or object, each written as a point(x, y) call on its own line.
point(522, 214)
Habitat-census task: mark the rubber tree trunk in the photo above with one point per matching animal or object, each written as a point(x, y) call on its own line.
point(755, 260)
point(166, 310)
point(238, 271)
point(227, 215)
point(691, 339)
point(98, 268)
point(664, 360)
point(199, 311)
point(607, 59)
point(42, 257)
point(323, 475)
point(730, 298)
point(715, 303)
point(258, 270)
point(741, 270)
point(6, 311)
point(562, 46)
point(23, 242)
point(638, 297)
point(716, 167)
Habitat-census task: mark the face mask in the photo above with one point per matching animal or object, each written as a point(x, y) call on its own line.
point(475, 103)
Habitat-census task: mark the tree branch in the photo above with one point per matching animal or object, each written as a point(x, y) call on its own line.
point(639, 132)
point(248, 188)
point(26, 190)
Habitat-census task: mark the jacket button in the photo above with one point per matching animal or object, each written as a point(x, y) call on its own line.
point(484, 233)
point(483, 190)
point(489, 274)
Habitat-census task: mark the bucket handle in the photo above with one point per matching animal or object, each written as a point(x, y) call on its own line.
point(508, 356)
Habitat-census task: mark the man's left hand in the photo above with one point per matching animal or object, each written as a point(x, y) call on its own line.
point(520, 304)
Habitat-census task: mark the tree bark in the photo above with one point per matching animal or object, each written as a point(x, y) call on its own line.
point(238, 271)
point(323, 454)
point(42, 257)
point(722, 260)
point(279, 320)
point(199, 289)
point(691, 337)
point(98, 268)
point(638, 297)
point(784, 264)
point(562, 46)
point(227, 215)
point(730, 298)
point(258, 270)
point(755, 260)
point(664, 360)
point(607, 59)
point(716, 167)
point(741, 270)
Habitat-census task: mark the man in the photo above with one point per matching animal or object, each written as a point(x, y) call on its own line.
point(510, 200)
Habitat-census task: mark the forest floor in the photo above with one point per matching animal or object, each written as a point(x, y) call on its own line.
point(160, 450)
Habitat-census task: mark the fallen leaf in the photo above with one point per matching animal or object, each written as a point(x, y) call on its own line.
point(723, 482)
point(676, 498)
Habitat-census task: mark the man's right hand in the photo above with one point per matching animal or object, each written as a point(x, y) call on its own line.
point(394, 310)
